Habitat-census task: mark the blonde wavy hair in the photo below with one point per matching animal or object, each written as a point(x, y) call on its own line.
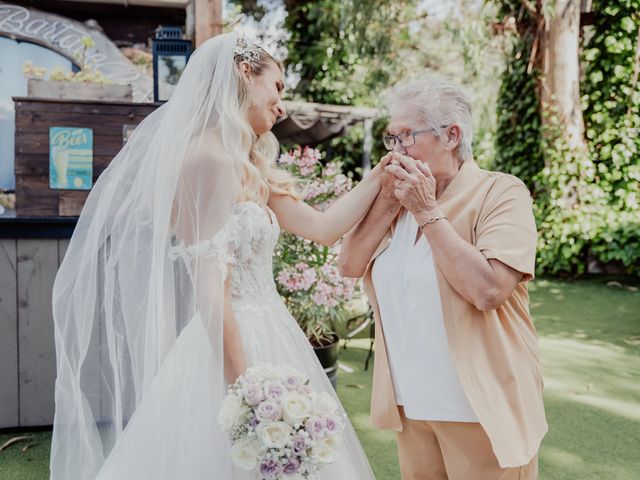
point(260, 174)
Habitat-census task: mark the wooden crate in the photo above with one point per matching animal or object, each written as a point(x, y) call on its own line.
point(34, 116)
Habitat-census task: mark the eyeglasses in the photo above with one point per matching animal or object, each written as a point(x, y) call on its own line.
point(405, 139)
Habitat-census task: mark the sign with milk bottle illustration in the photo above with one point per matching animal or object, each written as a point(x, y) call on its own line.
point(70, 158)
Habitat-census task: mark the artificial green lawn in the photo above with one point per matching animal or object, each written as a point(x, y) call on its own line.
point(590, 343)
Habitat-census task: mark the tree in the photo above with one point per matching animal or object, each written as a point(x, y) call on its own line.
point(559, 61)
point(342, 52)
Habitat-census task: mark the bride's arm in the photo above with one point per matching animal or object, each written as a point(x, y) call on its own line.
point(234, 360)
point(329, 226)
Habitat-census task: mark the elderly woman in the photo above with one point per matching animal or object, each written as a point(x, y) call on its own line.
point(446, 252)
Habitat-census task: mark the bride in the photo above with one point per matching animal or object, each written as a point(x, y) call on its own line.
point(166, 293)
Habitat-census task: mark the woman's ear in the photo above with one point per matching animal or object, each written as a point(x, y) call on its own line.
point(453, 136)
point(245, 70)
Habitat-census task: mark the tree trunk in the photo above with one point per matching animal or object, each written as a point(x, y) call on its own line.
point(560, 80)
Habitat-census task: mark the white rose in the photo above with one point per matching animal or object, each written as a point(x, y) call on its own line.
point(244, 454)
point(326, 449)
point(296, 408)
point(289, 371)
point(325, 404)
point(274, 434)
point(231, 411)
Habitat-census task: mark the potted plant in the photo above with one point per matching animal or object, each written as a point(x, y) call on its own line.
point(64, 85)
point(306, 273)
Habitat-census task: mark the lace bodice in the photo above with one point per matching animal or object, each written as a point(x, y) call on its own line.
point(255, 232)
point(246, 244)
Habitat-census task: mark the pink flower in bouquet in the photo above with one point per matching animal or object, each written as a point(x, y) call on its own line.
point(275, 391)
point(332, 425)
point(299, 445)
point(270, 468)
point(291, 467)
point(268, 410)
point(253, 394)
point(315, 427)
point(291, 383)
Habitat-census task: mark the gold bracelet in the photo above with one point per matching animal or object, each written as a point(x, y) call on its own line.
point(433, 220)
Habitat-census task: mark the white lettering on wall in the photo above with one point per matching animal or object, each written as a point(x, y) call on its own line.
point(65, 37)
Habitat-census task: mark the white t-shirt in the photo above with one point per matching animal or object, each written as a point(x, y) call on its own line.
point(424, 378)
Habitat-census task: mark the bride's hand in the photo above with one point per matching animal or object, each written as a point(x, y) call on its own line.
point(379, 168)
point(387, 188)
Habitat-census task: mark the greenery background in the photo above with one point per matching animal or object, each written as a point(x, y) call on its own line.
point(347, 53)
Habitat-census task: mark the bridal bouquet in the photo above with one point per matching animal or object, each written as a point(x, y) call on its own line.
point(280, 426)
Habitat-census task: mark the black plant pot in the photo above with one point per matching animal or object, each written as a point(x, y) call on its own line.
point(327, 353)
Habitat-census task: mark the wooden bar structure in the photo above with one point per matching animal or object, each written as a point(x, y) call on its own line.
point(27, 352)
point(33, 242)
point(34, 116)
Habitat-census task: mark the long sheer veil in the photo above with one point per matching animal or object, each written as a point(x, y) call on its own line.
point(121, 304)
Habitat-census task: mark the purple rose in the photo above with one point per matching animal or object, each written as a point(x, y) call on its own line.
point(299, 445)
point(292, 466)
point(291, 383)
point(315, 427)
point(268, 410)
point(253, 394)
point(270, 469)
point(332, 425)
point(275, 391)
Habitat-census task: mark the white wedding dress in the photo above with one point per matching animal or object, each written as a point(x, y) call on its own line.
point(269, 335)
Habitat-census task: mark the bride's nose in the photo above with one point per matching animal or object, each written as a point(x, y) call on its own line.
point(281, 110)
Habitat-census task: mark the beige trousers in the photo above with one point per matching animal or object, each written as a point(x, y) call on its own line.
point(430, 450)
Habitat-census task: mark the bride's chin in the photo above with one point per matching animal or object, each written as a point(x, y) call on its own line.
point(262, 130)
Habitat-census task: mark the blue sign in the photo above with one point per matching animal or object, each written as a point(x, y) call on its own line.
point(70, 158)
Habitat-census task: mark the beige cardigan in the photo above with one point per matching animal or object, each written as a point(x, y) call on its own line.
point(496, 352)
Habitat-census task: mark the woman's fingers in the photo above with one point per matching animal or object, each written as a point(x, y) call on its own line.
point(424, 168)
point(397, 171)
point(384, 161)
point(408, 163)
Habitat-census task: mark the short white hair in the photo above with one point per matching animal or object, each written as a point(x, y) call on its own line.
point(439, 102)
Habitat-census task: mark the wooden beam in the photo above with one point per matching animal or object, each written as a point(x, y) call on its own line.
point(316, 109)
point(208, 14)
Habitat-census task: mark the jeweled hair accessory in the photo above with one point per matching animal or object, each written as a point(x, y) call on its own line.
point(247, 51)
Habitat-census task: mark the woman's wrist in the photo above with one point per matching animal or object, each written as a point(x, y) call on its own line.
point(425, 215)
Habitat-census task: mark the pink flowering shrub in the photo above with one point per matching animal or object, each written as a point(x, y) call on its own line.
point(306, 273)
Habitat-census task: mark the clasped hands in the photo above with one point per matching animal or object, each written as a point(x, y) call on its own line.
point(409, 182)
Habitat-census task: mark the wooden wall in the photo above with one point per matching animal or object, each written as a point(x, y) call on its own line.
point(27, 351)
point(33, 119)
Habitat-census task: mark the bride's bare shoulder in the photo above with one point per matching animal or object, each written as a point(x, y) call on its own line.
point(207, 148)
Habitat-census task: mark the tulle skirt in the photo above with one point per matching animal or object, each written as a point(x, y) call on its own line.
point(174, 434)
